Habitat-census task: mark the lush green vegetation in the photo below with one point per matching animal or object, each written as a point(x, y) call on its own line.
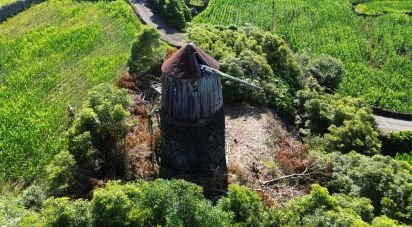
point(399, 144)
point(6, 2)
point(174, 12)
point(96, 138)
point(256, 56)
point(178, 203)
point(386, 182)
point(197, 2)
point(50, 56)
point(382, 7)
point(346, 124)
point(59, 51)
point(375, 50)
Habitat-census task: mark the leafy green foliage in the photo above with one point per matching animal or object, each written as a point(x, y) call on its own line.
point(383, 7)
point(50, 56)
point(354, 135)
point(244, 205)
point(319, 208)
point(63, 212)
point(5, 2)
point(60, 172)
point(405, 157)
point(327, 70)
point(146, 52)
point(376, 51)
point(11, 211)
point(386, 182)
point(346, 123)
point(96, 137)
point(253, 55)
point(400, 142)
point(33, 196)
point(384, 221)
point(157, 203)
point(174, 12)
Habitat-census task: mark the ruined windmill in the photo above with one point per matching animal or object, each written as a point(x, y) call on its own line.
point(192, 119)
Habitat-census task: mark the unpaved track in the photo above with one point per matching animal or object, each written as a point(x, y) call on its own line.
point(167, 34)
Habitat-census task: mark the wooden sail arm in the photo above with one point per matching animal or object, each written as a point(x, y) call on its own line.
point(224, 75)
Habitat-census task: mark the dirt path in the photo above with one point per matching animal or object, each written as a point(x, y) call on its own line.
point(167, 34)
point(388, 125)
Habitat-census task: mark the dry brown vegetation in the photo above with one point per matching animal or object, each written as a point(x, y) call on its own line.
point(141, 141)
point(264, 156)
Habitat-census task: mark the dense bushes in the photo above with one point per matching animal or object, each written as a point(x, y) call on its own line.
point(397, 142)
point(244, 206)
point(174, 12)
point(60, 173)
point(327, 70)
point(346, 123)
point(158, 203)
point(255, 56)
point(96, 137)
point(319, 208)
point(147, 52)
point(386, 182)
point(179, 203)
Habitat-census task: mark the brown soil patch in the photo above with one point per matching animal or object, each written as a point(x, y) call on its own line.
point(254, 137)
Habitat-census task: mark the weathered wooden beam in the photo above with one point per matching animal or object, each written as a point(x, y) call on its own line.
point(227, 76)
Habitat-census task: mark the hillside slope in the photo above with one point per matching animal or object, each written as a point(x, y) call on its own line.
point(50, 56)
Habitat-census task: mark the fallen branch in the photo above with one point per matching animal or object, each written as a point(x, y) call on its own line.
point(295, 175)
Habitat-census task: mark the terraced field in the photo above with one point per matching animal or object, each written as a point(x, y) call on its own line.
point(50, 56)
point(376, 51)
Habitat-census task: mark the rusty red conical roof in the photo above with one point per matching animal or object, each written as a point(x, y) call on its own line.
point(184, 64)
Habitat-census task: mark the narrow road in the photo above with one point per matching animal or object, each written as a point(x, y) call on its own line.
point(388, 125)
point(167, 34)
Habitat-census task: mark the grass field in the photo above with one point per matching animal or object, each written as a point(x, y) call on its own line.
point(50, 56)
point(376, 51)
point(5, 2)
point(382, 7)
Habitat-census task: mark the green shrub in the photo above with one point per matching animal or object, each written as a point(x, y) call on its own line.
point(319, 208)
point(60, 172)
point(400, 142)
point(384, 221)
point(156, 203)
point(146, 52)
point(327, 70)
point(63, 212)
point(96, 137)
point(346, 123)
point(256, 56)
point(174, 12)
point(386, 182)
point(354, 135)
point(111, 206)
point(244, 205)
point(11, 211)
point(33, 196)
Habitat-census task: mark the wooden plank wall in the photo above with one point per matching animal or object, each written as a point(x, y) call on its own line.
point(183, 100)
